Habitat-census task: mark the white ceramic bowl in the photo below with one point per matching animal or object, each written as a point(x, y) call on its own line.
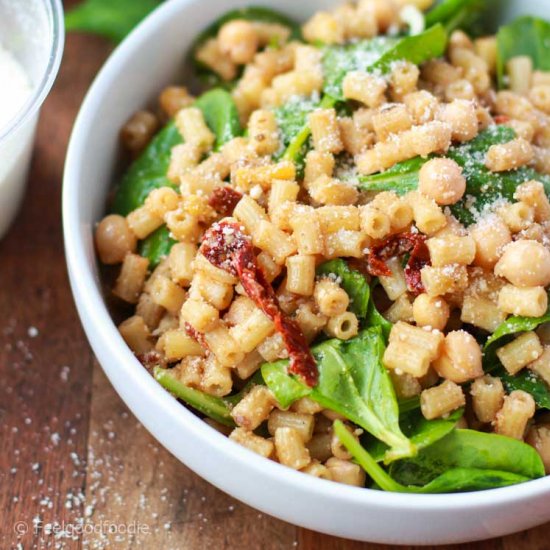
point(149, 59)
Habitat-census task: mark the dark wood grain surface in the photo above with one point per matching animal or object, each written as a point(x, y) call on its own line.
point(76, 468)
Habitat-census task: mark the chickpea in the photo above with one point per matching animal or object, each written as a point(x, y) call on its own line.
point(491, 235)
point(138, 131)
point(430, 311)
point(239, 40)
point(442, 180)
point(525, 263)
point(461, 358)
point(114, 239)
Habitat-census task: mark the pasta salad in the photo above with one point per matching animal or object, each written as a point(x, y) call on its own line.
point(338, 254)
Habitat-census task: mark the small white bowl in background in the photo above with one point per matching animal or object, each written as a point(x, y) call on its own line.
point(33, 32)
point(149, 59)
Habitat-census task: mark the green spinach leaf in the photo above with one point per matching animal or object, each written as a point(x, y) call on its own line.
point(353, 382)
point(400, 178)
point(416, 49)
point(338, 61)
point(483, 186)
point(454, 14)
point(214, 407)
point(378, 55)
point(359, 291)
point(525, 36)
point(352, 281)
point(156, 246)
point(220, 114)
point(453, 480)
point(469, 449)
point(527, 381)
point(420, 431)
point(292, 119)
point(111, 18)
point(149, 170)
point(516, 324)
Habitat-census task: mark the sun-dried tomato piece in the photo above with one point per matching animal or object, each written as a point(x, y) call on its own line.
point(398, 245)
point(195, 334)
point(501, 119)
point(224, 199)
point(228, 248)
point(151, 359)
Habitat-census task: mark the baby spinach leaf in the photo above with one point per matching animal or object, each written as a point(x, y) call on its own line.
point(353, 382)
point(338, 61)
point(524, 36)
point(471, 479)
point(516, 324)
point(409, 404)
point(284, 386)
point(483, 186)
point(454, 480)
point(292, 123)
point(527, 381)
point(359, 291)
point(111, 18)
point(214, 407)
point(400, 178)
point(352, 281)
point(220, 114)
point(375, 318)
point(292, 120)
point(149, 170)
point(378, 55)
point(416, 49)
point(420, 431)
point(469, 449)
point(454, 14)
point(156, 246)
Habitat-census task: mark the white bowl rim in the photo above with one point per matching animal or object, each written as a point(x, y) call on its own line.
point(91, 306)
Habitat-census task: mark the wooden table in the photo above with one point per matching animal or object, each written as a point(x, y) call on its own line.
point(71, 451)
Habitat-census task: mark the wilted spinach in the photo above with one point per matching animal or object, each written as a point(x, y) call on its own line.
point(454, 14)
point(352, 281)
point(353, 382)
point(469, 449)
point(378, 55)
point(214, 407)
point(483, 185)
point(359, 291)
point(449, 467)
point(149, 170)
point(420, 431)
point(528, 36)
